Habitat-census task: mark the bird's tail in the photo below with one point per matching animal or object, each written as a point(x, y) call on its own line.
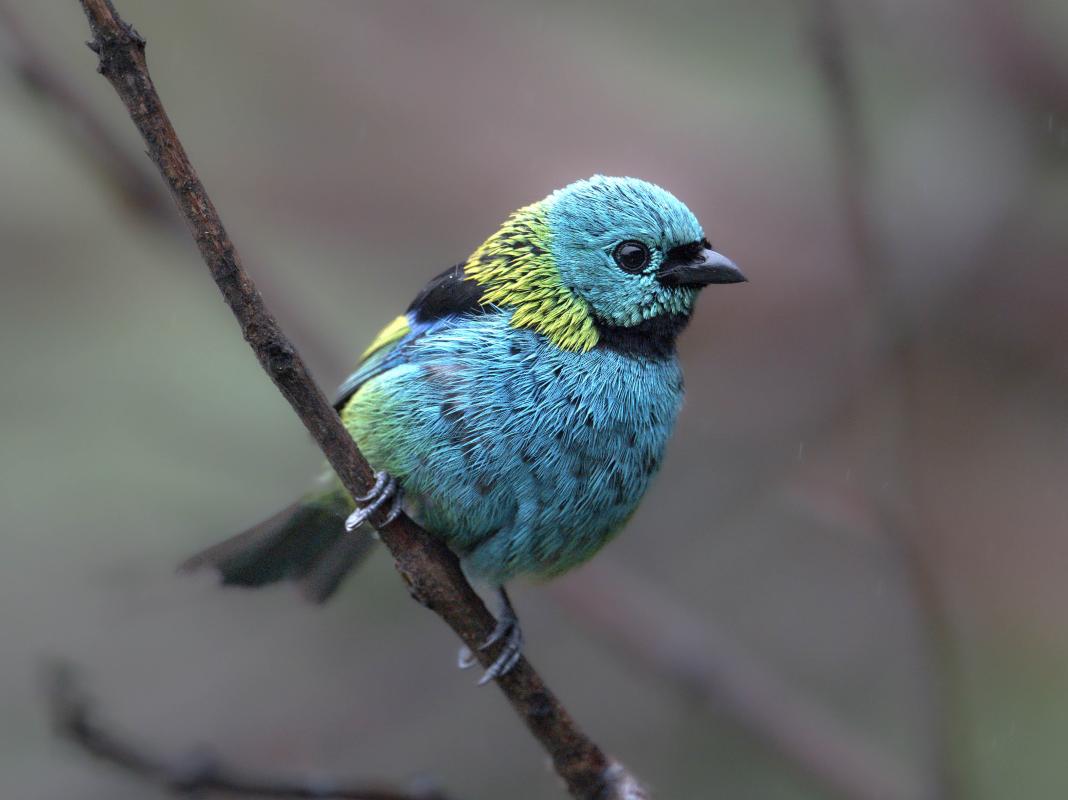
point(305, 543)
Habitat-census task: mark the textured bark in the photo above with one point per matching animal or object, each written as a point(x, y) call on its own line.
point(429, 568)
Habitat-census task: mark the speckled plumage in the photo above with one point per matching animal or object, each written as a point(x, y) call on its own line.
point(525, 457)
point(524, 401)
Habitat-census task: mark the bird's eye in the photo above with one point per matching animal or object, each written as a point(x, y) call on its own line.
point(631, 256)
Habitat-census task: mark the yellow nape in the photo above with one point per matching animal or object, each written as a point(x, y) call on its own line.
point(516, 268)
point(391, 334)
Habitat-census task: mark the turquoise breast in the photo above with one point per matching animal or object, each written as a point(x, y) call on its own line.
point(524, 457)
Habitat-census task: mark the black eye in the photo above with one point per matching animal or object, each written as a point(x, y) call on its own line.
point(631, 256)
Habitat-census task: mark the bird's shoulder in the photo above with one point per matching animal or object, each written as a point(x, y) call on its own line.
point(448, 294)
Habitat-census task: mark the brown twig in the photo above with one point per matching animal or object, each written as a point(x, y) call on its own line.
point(431, 571)
point(644, 622)
point(73, 719)
point(852, 166)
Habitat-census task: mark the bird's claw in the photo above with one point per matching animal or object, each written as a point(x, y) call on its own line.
point(506, 629)
point(385, 488)
point(465, 658)
point(381, 479)
point(511, 650)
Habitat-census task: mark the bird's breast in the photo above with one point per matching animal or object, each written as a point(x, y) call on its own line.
point(512, 448)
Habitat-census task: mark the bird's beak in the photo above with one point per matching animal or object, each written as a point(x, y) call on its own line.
point(706, 267)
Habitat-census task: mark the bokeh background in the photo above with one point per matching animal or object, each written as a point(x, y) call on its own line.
point(848, 581)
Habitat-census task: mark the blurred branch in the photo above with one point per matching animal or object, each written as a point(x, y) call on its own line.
point(431, 571)
point(1022, 60)
point(853, 165)
point(128, 177)
point(124, 175)
point(73, 719)
point(848, 142)
point(645, 623)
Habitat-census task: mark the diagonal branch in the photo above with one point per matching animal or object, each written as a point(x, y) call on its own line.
point(820, 747)
point(430, 569)
point(199, 772)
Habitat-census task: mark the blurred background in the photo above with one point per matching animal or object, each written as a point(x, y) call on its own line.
point(847, 582)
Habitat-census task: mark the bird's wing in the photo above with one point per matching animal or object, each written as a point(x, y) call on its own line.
point(447, 295)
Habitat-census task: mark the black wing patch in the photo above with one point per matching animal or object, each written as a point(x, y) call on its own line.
point(451, 292)
point(447, 294)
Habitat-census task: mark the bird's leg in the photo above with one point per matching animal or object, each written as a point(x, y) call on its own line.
point(385, 488)
point(508, 630)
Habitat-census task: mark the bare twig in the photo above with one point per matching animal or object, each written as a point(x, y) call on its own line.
point(73, 719)
point(852, 164)
point(645, 623)
point(431, 571)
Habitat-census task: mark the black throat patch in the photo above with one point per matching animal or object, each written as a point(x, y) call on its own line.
point(652, 339)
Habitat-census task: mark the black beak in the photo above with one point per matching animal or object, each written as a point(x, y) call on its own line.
point(705, 266)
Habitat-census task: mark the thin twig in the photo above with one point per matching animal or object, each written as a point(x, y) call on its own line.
point(853, 166)
point(430, 569)
point(73, 719)
point(642, 621)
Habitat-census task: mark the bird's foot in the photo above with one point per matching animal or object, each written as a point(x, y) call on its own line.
point(506, 630)
point(509, 631)
point(384, 490)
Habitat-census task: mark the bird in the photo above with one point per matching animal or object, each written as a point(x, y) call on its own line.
point(518, 409)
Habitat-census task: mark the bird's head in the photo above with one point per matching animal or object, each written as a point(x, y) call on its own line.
point(601, 260)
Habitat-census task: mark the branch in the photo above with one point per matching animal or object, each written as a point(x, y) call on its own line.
point(828, 752)
point(73, 719)
point(431, 571)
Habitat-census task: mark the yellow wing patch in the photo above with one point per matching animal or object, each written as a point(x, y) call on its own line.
point(391, 334)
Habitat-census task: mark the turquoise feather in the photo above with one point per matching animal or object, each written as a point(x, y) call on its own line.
point(524, 457)
point(524, 401)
